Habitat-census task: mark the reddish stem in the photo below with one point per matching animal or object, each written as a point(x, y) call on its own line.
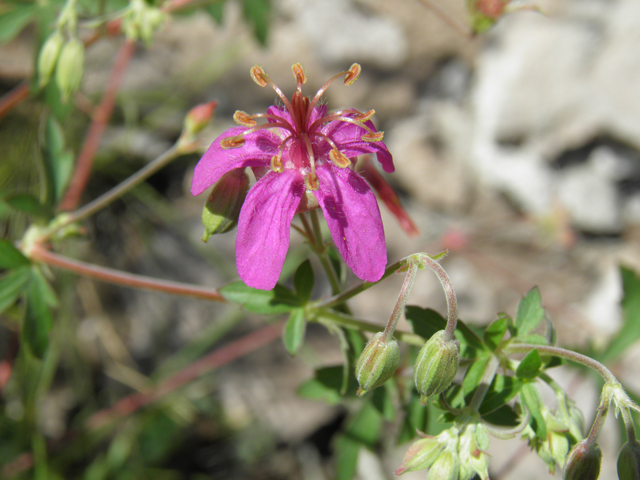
point(117, 277)
point(96, 129)
point(13, 97)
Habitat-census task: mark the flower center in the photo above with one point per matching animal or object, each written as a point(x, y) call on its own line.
point(300, 133)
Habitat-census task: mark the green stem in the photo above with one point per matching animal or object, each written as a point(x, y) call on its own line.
point(324, 258)
point(452, 302)
point(628, 424)
point(405, 291)
point(601, 416)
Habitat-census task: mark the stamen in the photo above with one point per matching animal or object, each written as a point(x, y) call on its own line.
point(311, 181)
point(299, 74)
point(258, 75)
point(232, 142)
point(354, 73)
point(339, 158)
point(373, 137)
point(276, 163)
point(244, 119)
point(312, 158)
point(364, 117)
point(341, 118)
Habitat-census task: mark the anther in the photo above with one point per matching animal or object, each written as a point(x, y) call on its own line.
point(244, 119)
point(258, 75)
point(232, 142)
point(276, 164)
point(354, 73)
point(311, 181)
point(373, 137)
point(299, 74)
point(364, 117)
point(339, 158)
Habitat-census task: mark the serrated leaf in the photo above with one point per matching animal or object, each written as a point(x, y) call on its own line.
point(12, 285)
point(293, 335)
point(10, 256)
point(304, 280)
point(257, 12)
point(27, 203)
point(278, 300)
point(530, 366)
point(37, 320)
point(14, 19)
point(502, 390)
point(530, 312)
point(530, 397)
point(495, 332)
point(326, 385)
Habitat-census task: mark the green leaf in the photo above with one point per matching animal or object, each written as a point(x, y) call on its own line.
point(37, 320)
point(346, 457)
point(14, 19)
point(534, 339)
point(58, 162)
point(257, 12)
point(530, 312)
point(326, 385)
point(383, 402)
point(415, 419)
point(216, 10)
point(474, 374)
point(494, 333)
point(27, 203)
point(502, 390)
point(505, 416)
point(10, 256)
point(12, 285)
point(294, 331)
point(630, 331)
point(530, 397)
point(530, 366)
point(278, 300)
point(44, 288)
point(366, 427)
point(303, 281)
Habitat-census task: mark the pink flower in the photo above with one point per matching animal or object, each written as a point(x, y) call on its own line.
point(301, 157)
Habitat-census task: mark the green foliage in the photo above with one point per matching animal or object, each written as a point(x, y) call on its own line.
point(327, 385)
point(530, 366)
point(530, 312)
point(278, 300)
point(58, 161)
point(15, 16)
point(10, 256)
point(294, 330)
point(304, 280)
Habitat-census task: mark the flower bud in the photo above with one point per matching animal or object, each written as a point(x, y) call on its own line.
point(629, 461)
point(377, 363)
point(198, 118)
point(436, 365)
point(582, 463)
point(70, 67)
point(422, 454)
point(221, 212)
point(48, 57)
point(446, 467)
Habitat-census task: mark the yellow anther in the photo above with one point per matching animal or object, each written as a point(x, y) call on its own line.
point(258, 75)
point(373, 137)
point(276, 164)
point(232, 142)
point(354, 73)
point(365, 116)
point(311, 181)
point(299, 74)
point(244, 119)
point(339, 158)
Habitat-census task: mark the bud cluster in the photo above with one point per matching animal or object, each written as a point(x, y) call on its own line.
point(142, 21)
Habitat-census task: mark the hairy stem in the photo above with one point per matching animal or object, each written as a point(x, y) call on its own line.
point(452, 302)
point(405, 291)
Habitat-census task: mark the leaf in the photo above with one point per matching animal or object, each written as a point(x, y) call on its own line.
point(534, 339)
point(12, 285)
point(58, 162)
point(216, 10)
point(630, 331)
point(294, 330)
point(15, 19)
point(530, 312)
point(415, 419)
point(366, 427)
point(10, 256)
point(303, 281)
point(278, 300)
point(326, 385)
point(27, 203)
point(494, 333)
point(530, 366)
point(383, 402)
point(530, 397)
point(505, 416)
point(47, 293)
point(37, 320)
point(257, 12)
point(502, 390)
point(473, 377)
point(346, 457)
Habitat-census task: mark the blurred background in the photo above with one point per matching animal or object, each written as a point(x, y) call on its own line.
point(518, 150)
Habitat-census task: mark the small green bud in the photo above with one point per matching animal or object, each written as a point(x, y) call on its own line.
point(629, 461)
point(583, 463)
point(377, 363)
point(198, 118)
point(70, 67)
point(446, 467)
point(436, 365)
point(221, 212)
point(421, 455)
point(48, 57)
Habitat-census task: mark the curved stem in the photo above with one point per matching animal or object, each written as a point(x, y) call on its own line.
point(601, 416)
point(628, 424)
point(452, 302)
point(405, 291)
point(109, 275)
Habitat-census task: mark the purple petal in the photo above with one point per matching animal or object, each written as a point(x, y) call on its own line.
point(348, 138)
point(264, 226)
point(257, 150)
point(351, 211)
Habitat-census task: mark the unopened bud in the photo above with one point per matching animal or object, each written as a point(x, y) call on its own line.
point(70, 67)
point(198, 117)
point(422, 454)
point(446, 467)
point(629, 461)
point(377, 363)
point(221, 212)
point(436, 365)
point(48, 57)
point(583, 462)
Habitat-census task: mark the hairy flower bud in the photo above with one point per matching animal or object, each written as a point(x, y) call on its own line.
point(446, 467)
point(436, 365)
point(70, 67)
point(583, 463)
point(48, 57)
point(198, 118)
point(377, 363)
point(422, 454)
point(221, 212)
point(629, 461)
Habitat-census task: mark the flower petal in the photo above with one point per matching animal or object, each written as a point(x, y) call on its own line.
point(348, 138)
point(351, 211)
point(264, 226)
point(257, 150)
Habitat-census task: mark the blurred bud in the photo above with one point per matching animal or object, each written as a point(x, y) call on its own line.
point(436, 365)
point(446, 467)
point(421, 455)
point(629, 461)
point(583, 463)
point(471, 450)
point(48, 57)
point(142, 21)
point(70, 67)
point(198, 118)
point(377, 363)
point(221, 212)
